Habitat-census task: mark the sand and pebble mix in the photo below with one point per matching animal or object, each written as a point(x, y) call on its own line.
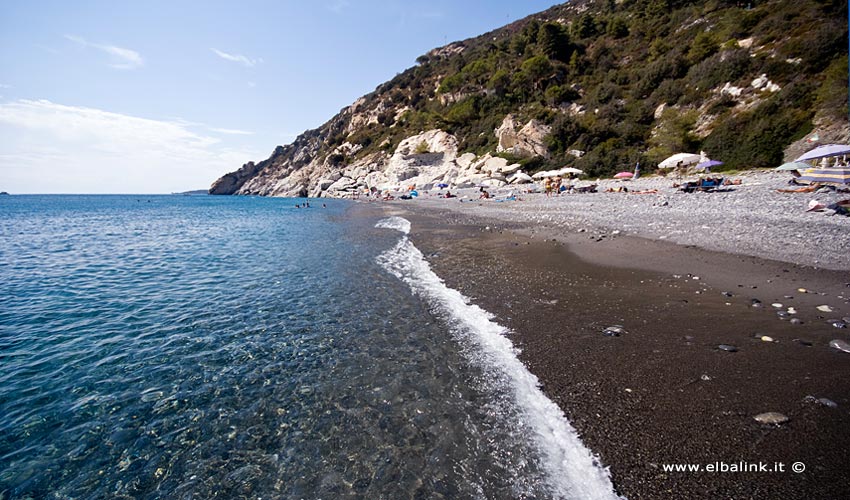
point(750, 219)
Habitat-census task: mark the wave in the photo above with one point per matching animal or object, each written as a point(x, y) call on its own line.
point(571, 469)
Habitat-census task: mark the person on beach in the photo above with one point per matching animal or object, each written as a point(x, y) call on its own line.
point(637, 171)
point(484, 194)
point(547, 186)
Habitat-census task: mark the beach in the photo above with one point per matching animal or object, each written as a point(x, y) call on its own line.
point(671, 277)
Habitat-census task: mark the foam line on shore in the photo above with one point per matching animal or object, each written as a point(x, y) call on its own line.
point(572, 471)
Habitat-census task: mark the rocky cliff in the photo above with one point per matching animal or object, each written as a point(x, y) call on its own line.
point(594, 84)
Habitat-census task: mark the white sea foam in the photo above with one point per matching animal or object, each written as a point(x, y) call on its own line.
point(572, 471)
point(397, 223)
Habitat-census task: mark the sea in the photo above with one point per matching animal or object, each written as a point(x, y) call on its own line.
point(197, 347)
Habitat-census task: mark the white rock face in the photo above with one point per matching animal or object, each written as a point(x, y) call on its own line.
point(763, 83)
point(406, 167)
point(527, 141)
point(731, 90)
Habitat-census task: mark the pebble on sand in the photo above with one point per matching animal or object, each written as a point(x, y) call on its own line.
point(824, 308)
point(766, 338)
point(727, 348)
point(839, 344)
point(614, 331)
point(820, 401)
point(771, 417)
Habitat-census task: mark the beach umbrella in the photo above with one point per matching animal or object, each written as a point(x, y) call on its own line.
point(708, 164)
point(837, 175)
point(442, 185)
point(546, 173)
point(683, 158)
point(624, 175)
point(569, 170)
point(825, 151)
point(793, 165)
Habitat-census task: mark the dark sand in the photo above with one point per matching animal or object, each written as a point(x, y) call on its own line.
point(640, 400)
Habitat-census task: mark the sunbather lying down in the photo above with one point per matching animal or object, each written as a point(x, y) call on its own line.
point(646, 191)
point(807, 189)
point(841, 207)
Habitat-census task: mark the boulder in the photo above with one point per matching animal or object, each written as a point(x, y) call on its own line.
point(530, 140)
point(465, 160)
point(343, 184)
point(494, 164)
point(510, 169)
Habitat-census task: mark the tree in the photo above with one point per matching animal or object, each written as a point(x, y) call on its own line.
point(554, 42)
point(585, 27)
point(537, 68)
point(500, 82)
point(618, 28)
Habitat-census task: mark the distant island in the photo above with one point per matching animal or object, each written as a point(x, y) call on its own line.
point(194, 192)
point(3, 193)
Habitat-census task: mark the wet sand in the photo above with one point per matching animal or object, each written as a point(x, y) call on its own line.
point(662, 392)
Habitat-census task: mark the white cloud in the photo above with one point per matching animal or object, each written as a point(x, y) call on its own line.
point(231, 131)
point(121, 58)
point(247, 61)
point(339, 6)
point(47, 147)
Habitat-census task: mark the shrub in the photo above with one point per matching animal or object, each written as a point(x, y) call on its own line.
point(832, 94)
point(704, 45)
point(757, 138)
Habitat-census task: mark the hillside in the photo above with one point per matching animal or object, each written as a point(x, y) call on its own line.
point(597, 85)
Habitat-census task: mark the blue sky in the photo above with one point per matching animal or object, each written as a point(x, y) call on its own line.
point(164, 96)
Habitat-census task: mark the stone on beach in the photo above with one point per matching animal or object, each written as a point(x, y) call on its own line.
point(771, 418)
point(824, 308)
point(839, 344)
point(614, 331)
point(727, 348)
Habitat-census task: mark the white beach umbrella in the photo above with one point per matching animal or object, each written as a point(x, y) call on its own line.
point(540, 175)
point(569, 170)
point(683, 158)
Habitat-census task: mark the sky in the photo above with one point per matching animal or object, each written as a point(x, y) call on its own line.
point(167, 96)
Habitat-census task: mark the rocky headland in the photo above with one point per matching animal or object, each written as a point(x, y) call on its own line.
point(592, 84)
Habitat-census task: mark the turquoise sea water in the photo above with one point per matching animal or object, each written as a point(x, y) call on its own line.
point(237, 347)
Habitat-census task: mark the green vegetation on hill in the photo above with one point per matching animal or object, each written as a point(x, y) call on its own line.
point(598, 73)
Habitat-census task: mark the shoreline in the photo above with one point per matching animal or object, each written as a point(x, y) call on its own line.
point(751, 219)
point(662, 392)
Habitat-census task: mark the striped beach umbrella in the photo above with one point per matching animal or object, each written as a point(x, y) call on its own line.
point(794, 165)
point(837, 175)
point(825, 151)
